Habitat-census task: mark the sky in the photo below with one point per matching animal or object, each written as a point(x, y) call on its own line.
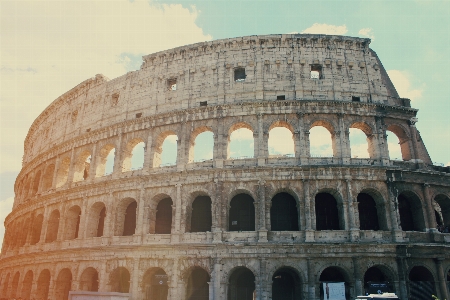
point(48, 47)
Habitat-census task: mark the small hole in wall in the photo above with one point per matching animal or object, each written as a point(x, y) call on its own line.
point(356, 99)
point(87, 130)
point(316, 72)
point(281, 97)
point(203, 103)
point(239, 74)
point(172, 84)
point(138, 115)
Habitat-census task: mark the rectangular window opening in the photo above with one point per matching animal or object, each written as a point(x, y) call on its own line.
point(356, 99)
point(203, 103)
point(316, 72)
point(281, 97)
point(114, 99)
point(138, 115)
point(239, 74)
point(172, 84)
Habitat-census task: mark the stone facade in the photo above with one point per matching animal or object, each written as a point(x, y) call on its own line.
point(74, 228)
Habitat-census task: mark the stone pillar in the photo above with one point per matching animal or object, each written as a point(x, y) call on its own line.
point(92, 166)
point(108, 228)
point(261, 223)
point(140, 213)
point(148, 159)
point(301, 141)
point(103, 279)
point(354, 230)
point(174, 292)
point(220, 143)
point(311, 279)
point(382, 141)
point(44, 224)
point(117, 169)
point(55, 171)
point(216, 278)
point(71, 168)
point(177, 219)
point(309, 231)
point(264, 290)
point(413, 134)
point(403, 291)
point(261, 143)
point(342, 134)
point(135, 281)
point(183, 148)
point(441, 278)
point(62, 219)
point(358, 276)
point(83, 219)
point(431, 218)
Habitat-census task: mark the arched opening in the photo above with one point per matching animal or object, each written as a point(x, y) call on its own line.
point(163, 222)
point(241, 285)
point(443, 203)
point(359, 146)
point(36, 181)
point(47, 180)
point(284, 213)
point(26, 188)
point(27, 283)
point(197, 284)
point(52, 227)
point(15, 285)
point(327, 213)
point(155, 285)
point(201, 145)
point(240, 142)
point(410, 210)
point(368, 214)
point(73, 217)
point(63, 172)
point(133, 155)
point(120, 280)
point(96, 222)
point(286, 285)
point(421, 283)
point(24, 232)
point(398, 143)
point(333, 284)
point(89, 280)
point(82, 166)
point(36, 229)
point(281, 140)
point(43, 285)
point(166, 148)
point(242, 213)
point(63, 284)
point(321, 142)
point(105, 161)
point(129, 226)
point(5, 284)
point(201, 218)
point(376, 281)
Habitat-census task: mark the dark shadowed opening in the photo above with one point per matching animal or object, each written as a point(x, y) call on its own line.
point(242, 213)
point(283, 213)
point(164, 217)
point(368, 216)
point(197, 286)
point(201, 218)
point(327, 214)
point(129, 226)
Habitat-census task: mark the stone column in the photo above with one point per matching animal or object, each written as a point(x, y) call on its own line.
point(55, 171)
point(140, 212)
point(83, 219)
point(382, 141)
point(311, 279)
point(358, 276)
point(431, 218)
point(71, 168)
point(108, 228)
point(441, 277)
point(148, 159)
point(174, 292)
point(220, 142)
point(397, 234)
point(44, 224)
point(135, 281)
point(261, 143)
point(117, 169)
point(354, 231)
point(309, 231)
point(183, 148)
point(261, 223)
point(216, 278)
point(62, 218)
point(301, 140)
point(103, 278)
point(403, 292)
point(92, 166)
point(342, 134)
point(177, 221)
point(265, 287)
point(413, 134)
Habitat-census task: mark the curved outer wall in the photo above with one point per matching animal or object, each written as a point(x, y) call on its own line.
point(53, 242)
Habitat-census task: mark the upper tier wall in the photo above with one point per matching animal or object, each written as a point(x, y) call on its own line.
point(275, 65)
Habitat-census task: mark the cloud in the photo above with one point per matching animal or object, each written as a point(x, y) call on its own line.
point(280, 141)
point(317, 28)
point(448, 164)
point(402, 83)
point(5, 209)
point(367, 32)
point(320, 142)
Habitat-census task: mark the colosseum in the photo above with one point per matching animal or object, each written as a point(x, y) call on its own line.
point(261, 226)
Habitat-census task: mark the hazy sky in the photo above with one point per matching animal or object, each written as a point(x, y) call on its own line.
point(48, 47)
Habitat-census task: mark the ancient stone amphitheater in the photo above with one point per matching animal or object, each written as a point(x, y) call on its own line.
point(259, 227)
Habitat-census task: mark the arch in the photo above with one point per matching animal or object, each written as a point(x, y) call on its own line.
point(6, 284)
point(133, 155)
point(27, 284)
point(52, 227)
point(24, 232)
point(105, 160)
point(361, 141)
point(368, 213)
point(47, 179)
point(15, 285)
point(129, 225)
point(421, 283)
point(201, 216)
point(36, 229)
point(82, 166)
point(155, 284)
point(166, 149)
point(63, 284)
point(378, 277)
point(201, 144)
point(241, 285)
point(63, 172)
point(380, 204)
point(333, 275)
point(120, 280)
point(89, 280)
point(281, 139)
point(73, 217)
point(286, 284)
point(411, 213)
point(163, 221)
point(96, 222)
point(26, 188)
point(322, 141)
point(327, 212)
point(240, 141)
point(403, 140)
point(284, 213)
point(36, 181)
point(242, 213)
point(197, 285)
point(43, 284)
point(444, 204)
